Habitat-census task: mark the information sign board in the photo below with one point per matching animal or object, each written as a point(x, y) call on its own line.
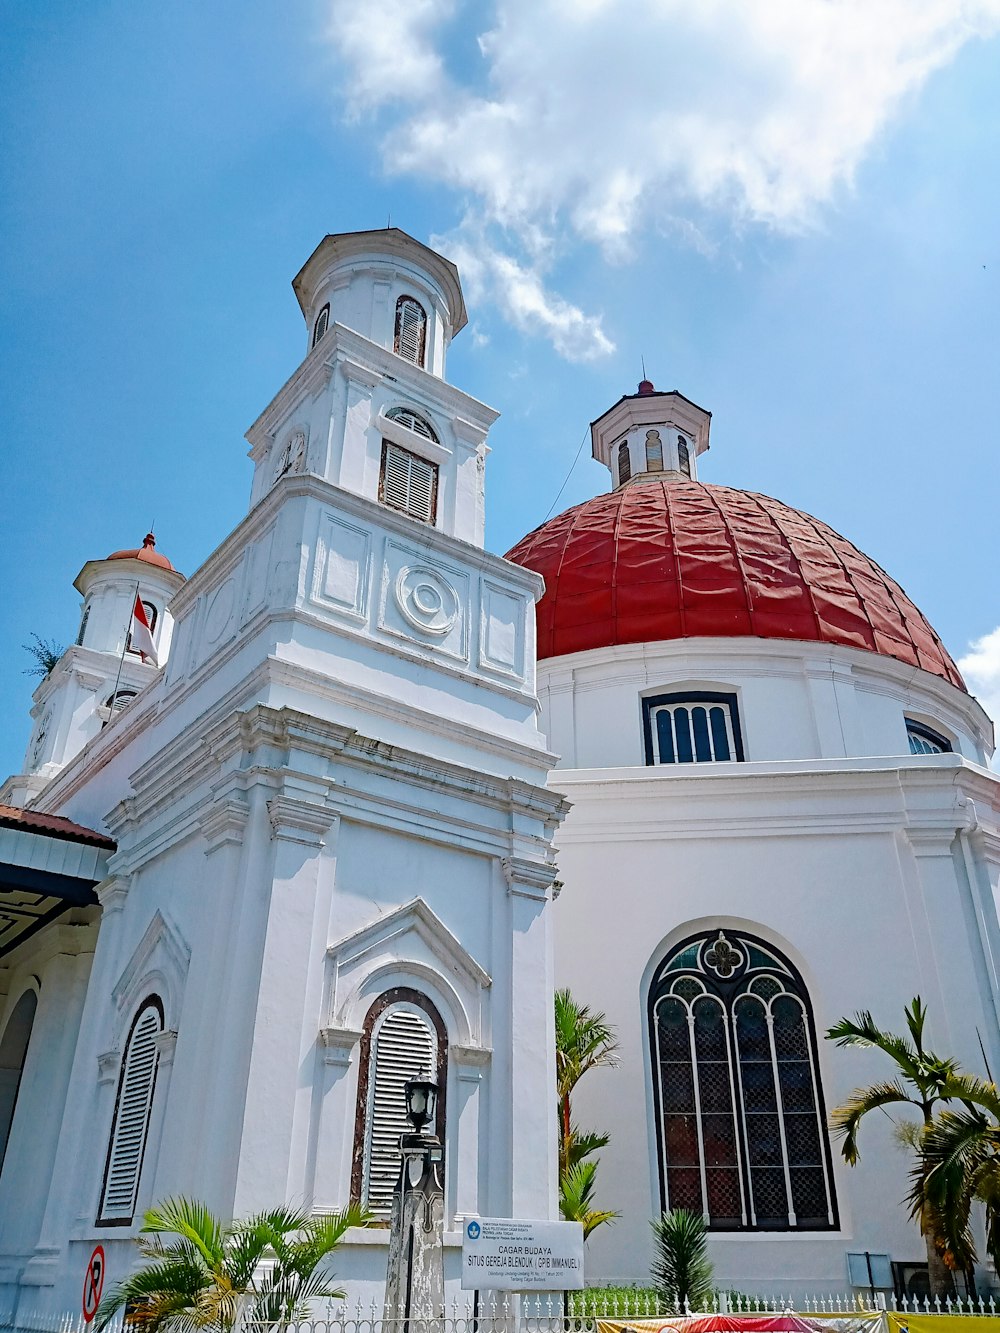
point(508, 1254)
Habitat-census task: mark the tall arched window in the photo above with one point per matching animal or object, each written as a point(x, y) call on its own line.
point(411, 330)
point(624, 462)
point(403, 1038)
point(83, 624)
point(321, 325)
point(13, 1053)
point(740, 1121)
point(683, 456)
point(130, 1126)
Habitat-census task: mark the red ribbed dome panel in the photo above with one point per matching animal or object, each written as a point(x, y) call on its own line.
point(682, 559)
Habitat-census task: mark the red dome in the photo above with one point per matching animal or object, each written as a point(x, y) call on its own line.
point(147, 552)
point(680, 559)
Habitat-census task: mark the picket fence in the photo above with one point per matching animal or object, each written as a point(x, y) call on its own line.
point(548, 1313)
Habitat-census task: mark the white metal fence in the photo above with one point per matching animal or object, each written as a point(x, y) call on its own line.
point(552, 1313)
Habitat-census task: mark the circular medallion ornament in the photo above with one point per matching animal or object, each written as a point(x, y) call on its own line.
point(427, 600)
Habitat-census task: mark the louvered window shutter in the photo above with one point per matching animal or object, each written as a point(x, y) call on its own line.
point(131, 1125)
point(411, 330)
point(405, 1047)
point(408, 483)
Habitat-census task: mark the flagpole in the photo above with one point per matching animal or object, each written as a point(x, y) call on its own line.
point(128, 631)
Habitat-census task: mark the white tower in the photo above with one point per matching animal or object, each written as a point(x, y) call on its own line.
point(74, 701)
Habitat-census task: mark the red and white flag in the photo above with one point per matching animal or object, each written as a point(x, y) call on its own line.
point(142, 637)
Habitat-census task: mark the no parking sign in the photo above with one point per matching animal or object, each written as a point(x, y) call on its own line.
point(93, 1284)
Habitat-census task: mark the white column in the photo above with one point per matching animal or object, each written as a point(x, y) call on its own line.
point(272, 1157)
point(328, 1169)
point(469, 1064)
point(534, 1156)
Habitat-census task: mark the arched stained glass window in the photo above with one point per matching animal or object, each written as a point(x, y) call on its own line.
point(410, 341)
point(683, 456)
point(740, 1122)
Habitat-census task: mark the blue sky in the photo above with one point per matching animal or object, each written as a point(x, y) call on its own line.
point(788, 207)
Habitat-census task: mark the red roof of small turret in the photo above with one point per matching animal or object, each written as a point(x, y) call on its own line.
point(147, 552)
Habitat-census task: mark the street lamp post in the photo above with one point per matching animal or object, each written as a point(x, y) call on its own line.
point(414, 1285)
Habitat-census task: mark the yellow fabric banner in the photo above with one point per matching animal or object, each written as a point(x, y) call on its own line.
point(942, 1323)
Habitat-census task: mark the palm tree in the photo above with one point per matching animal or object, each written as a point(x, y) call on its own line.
point(961, 1162)
point(584, 1040)
point(924, 1080)
point(208, 1276)
point(682, 1270)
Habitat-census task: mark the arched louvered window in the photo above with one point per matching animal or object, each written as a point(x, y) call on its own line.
point(13, 1053)
point(83, 624)
point(697, 727)
point(130, 1127)
point(411, 330)
point(151, 615)
point(740, 1121)
point(403, 1038)
point(654, 451)
point(624, 462)
point(117, 701)
point(413, 421)
point(408, 482)
point(321, 325)
point(683, 456)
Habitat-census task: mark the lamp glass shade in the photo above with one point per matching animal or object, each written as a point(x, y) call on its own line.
point(421, 1101)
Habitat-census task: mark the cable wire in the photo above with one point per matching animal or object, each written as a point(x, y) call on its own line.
point(568, 475)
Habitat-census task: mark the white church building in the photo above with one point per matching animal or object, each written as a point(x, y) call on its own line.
point(685, 750)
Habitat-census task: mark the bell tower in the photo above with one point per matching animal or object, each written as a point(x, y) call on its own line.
point(369, 409)
point(651, 435)
point(77, 697)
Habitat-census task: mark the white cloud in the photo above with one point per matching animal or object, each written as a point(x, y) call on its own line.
point(981, 668)
point(590, 119)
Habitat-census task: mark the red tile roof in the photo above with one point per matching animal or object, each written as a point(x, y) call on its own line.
point(52, 826)
point(681, 559)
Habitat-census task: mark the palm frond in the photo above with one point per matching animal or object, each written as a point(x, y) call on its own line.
point(846, 1120)
point(862, 1030)
point(576, 1198)
point(190, 1219)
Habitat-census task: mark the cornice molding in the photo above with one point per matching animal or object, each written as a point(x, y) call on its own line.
point(296, 820)
point(341, 344)
point(224, 823)
point(112, 893)
point(338, 1043)
point(528, 879)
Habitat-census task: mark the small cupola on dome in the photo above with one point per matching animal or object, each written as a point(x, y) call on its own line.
point(650, 435)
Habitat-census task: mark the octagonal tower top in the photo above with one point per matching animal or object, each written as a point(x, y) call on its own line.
point(386, 286)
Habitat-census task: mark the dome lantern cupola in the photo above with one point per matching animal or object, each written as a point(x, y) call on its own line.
point(649, 435)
